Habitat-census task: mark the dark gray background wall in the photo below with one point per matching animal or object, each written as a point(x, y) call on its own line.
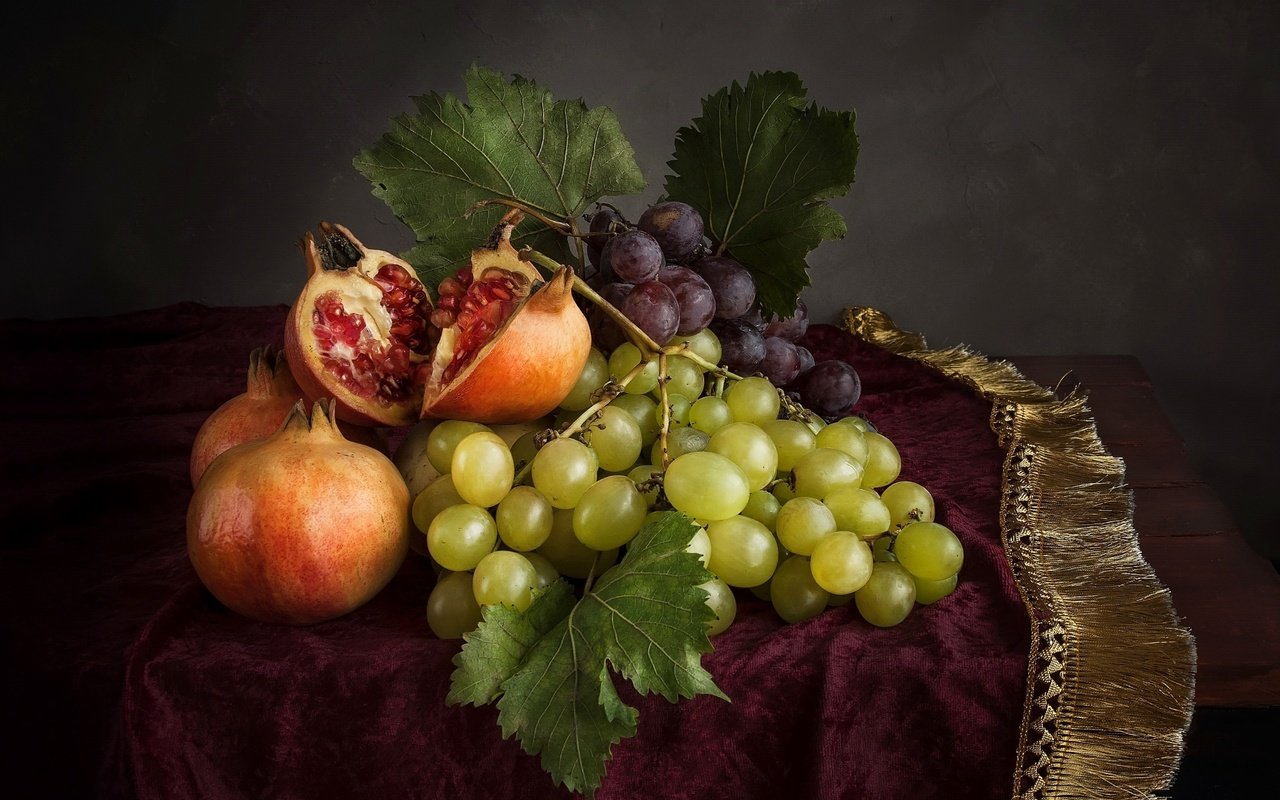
point(1034, 177)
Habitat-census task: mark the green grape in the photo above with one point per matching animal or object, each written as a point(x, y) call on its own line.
point(743, 551)
point(802, 523)
point(822, 471)
point(784, 492)
point(569, 556)
point(764, 591)
point(795, 594)
point(857, 422)
point(763, 507)
point(706, 486)
point(883, 461)
point(859, 510)
point(460, 536)
point(930, 592)
point(721, 600)
point(547, 572)
point(814, 423)
point(644, 411)
point(680, 406)
point(524, 518)
point(483, 469)
point(524, 449)
point(685, 378)
point(709, 414)
point(704, 343)
point(452, 609)
point(841, 563)
point(882, 549)
point(504, 578)
point(642, 474)
point(846, 439)
point(563, 469)
point(679, 442)
point(907, 502)
point(616, 439)
point(439, 495)
point(791, 438)
point(753, 400)
point(610, 513)
point(594, 375)
point(444, 438)
point(750, 448)
point(888, 595)
point(929, 551)
point(700, 544)
point(624, 359)
point(838, 600)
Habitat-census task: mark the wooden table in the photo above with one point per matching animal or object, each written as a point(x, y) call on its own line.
point(1225, 592)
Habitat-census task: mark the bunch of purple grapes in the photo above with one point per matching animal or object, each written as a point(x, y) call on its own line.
point(662, 275)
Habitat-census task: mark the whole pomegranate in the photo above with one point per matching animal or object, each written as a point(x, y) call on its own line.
point(301, 526)
point(270, 393)
point(511, 345)
point(358, 331)
point(258, 412)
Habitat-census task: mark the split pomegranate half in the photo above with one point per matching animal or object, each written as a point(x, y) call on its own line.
point(510, 345)
point(359, 331)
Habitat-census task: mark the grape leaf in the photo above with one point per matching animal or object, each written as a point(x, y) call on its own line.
point(759, 164)
point(548, 667)
point(510, 140)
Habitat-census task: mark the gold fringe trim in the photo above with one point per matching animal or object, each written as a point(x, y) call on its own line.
point(1111, 672)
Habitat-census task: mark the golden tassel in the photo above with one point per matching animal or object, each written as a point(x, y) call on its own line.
point(1111, 672)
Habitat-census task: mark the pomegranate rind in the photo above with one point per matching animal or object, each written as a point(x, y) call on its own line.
point(526, 368)
point(304, 356)
point(300, 527)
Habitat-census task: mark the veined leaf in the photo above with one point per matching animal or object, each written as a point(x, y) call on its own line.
point(758, 165)
point(509, 140)
point(548, 667)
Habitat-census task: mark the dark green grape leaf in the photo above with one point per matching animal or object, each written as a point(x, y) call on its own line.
point(511, 141)
point(549, 667)
point(759, 164)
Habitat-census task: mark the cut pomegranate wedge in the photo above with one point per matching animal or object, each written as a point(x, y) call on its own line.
point(511, 346)
point(359, 331)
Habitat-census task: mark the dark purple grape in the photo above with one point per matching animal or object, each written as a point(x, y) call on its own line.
point(634, 256)
point(806, 359)
point(603, 224)
point(697, 303)
point(791, 328)
point(830, 388)
point(732, 285)
point(654, 310)
point(742, 346)
point(781, 362)
point(676, 226)
point(755, 319)
point(606, 333)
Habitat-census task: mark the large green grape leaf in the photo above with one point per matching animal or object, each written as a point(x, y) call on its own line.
point(759, 164)
point(510, 140)
point(549, 667)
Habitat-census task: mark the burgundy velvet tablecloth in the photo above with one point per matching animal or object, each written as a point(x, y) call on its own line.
point(124, 678)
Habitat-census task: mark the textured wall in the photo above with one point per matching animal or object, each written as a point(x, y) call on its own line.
point(1034, 178)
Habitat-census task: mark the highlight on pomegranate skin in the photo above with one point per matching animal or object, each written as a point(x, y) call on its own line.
point(359, 331)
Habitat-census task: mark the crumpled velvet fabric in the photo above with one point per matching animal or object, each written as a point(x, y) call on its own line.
point(126, 679)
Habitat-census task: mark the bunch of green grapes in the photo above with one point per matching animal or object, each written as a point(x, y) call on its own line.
point(804, 513)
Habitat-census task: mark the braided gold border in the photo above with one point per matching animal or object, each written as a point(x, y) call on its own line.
point(1111, 672)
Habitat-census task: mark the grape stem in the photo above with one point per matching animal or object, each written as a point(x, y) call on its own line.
point(663, 378)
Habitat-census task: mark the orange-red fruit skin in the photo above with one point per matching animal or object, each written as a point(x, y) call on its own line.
point(529, 366)
point(299, 527)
